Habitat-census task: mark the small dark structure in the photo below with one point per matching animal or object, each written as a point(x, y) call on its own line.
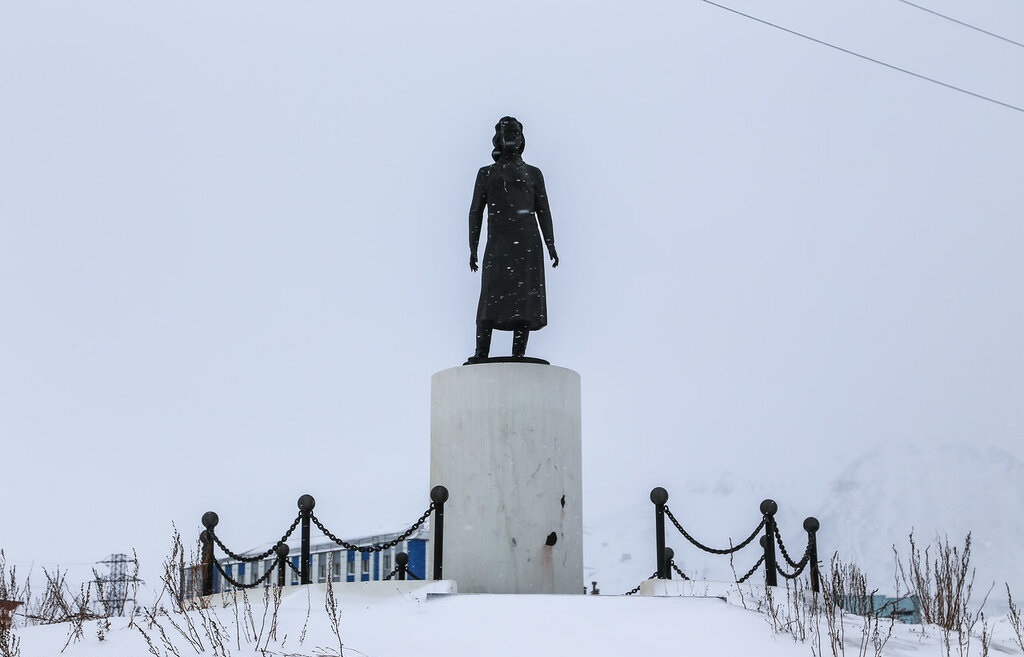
point(512, 294)
point(7, 608)
point(905, 609)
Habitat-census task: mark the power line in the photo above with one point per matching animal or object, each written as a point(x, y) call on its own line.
point(865, 57)
point(959, 22)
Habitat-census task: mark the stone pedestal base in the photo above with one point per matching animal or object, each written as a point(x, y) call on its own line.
point(505, 440)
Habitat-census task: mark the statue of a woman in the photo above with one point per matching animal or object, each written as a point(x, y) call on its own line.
point(512, 296)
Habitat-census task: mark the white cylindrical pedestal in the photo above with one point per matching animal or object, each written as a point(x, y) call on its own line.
point(505, 440)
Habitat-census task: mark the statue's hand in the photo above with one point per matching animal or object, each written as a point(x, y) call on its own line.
point(554, 256)
point(472, 262)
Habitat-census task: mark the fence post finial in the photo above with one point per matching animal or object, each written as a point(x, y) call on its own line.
point(402, 560)
point(210, 520)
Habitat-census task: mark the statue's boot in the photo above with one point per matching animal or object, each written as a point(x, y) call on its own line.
point(483, 341)
point(519, 339)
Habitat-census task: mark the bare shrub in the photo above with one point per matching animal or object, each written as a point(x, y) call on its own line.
point(58, 604)
point(180, 620)
point(10, 588)
point(331, 607)
point(14, 592)
point(102, 629)
point(943, 579)
point(790, 609)
point(943, 582)
point(985, 637)
point(1014, 617)
point(844, 590)
point(10, 643)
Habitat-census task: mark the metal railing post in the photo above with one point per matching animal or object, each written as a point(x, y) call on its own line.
point(438, 495)
point(206, 567)
point(210, 520)
point(659, 496)
point(282, 562)
point(811, 526)
point(402, 559)
point(306, 504)
point(768, 510)
point(669, 555)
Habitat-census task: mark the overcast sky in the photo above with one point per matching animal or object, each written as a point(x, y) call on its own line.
point(233, 247)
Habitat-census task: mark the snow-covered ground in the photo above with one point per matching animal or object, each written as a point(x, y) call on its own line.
point(391, 619)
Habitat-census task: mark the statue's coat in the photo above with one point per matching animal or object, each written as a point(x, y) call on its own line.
point(512, 294)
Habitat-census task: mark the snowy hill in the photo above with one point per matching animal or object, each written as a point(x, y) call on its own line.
point(936, 491)
point(871, 505)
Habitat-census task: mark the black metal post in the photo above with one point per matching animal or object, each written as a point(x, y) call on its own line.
point(402, 559)
point(768, 509)
point(206, 574)
point(210, 520)
point(659, 496)
point(438, 495)
point(811, 526)
point(306, 504)
point(669, 555)
point(282, 562)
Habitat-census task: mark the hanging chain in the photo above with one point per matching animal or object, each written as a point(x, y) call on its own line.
point(239, 585)
point(678, 572)
point(391, 574)
point(785, 555)
point(642, 583)
point(793, 575)
point(379, 546)
point(751, 571)
point(700, 545)
point(238, 557)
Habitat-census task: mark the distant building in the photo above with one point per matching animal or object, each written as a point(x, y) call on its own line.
point(327, 560)
point(906, 609)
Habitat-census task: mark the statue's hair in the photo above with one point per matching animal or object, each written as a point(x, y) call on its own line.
point(496, 153)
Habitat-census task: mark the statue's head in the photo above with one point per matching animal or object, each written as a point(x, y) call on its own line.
point(508, 137)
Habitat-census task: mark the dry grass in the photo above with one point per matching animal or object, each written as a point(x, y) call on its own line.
point(943, 579)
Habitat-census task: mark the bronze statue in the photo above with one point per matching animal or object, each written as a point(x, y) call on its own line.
point(512, 295)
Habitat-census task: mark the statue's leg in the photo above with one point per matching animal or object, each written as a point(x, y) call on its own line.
point(519, 338)
point(483, 339)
